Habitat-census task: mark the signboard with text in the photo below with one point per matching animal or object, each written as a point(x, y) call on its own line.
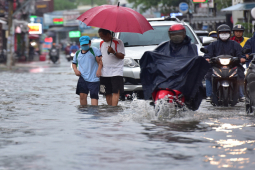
point(74, 34)
point(200, 1)
point(35, 28)
point(58, 21)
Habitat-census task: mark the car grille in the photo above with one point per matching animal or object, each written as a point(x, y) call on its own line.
point(131, 81)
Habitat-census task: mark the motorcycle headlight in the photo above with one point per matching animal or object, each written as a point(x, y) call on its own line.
point(129, 62)
point(216, 73)
point(225, 61)
point(72, 54)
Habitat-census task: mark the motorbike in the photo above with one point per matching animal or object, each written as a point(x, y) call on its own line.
point(162, 98)
point(249, 84)
point(54, 56)
point(224, 79)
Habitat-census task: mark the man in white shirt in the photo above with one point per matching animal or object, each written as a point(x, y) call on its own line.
point(111, 80)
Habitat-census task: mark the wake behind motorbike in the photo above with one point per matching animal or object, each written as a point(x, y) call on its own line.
point(163, 97)
point(224, 80)
point(249, 84)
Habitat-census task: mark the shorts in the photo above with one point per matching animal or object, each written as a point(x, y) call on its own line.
point(109, 85)
point(86, 87)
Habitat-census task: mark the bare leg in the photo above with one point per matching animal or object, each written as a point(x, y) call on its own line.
point(115, 98)
point(83, 99)
point(109, 99)
point(94, 102)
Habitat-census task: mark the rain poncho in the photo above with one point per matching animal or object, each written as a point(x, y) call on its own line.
point(250, 44)
point(229, 47)
point(174, 66)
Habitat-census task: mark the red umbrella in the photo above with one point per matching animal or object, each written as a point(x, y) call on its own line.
point(116, 19)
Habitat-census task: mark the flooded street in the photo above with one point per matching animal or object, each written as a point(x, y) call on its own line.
point(43, 128)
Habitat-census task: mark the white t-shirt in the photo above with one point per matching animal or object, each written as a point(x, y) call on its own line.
point(112, 66)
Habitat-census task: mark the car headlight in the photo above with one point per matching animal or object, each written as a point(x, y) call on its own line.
point(129, 62)
point(225, 61)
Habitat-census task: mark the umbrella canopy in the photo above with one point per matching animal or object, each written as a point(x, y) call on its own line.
point(116, 19)
point(240, 7)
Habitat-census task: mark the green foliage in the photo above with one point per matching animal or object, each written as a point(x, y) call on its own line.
point(72, 4)
point(165, 8)
point(223, 4)
point(246, 25)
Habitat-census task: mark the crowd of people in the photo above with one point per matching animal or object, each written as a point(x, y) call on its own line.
point(101, 70)
point(225, 44)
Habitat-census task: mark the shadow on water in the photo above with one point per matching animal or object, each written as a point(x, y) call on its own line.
point(100, 111)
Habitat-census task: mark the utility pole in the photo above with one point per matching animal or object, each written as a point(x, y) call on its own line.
point(10, 34)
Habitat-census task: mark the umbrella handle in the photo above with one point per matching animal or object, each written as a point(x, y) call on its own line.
point(110, 43)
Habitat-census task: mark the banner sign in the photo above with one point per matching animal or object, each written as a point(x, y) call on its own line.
point(58, 21)
point(200, 1)
point(74, 34)
point(35, 28)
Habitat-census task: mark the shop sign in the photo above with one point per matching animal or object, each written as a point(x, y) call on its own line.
point(200, 1)
point(74, 34)
point(58, 21)
point(35, 28)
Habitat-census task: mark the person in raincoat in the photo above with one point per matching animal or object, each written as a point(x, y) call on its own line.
point(208, 76)
point(175, 64)
point(225, 46)
point(250, 44)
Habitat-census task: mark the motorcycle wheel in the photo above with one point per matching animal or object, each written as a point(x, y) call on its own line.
point(225, 98)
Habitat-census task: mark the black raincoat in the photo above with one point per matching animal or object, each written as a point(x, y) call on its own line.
point(228, 47)
point(174, 66)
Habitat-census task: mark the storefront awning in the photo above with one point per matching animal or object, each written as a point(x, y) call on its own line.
point(240, 7)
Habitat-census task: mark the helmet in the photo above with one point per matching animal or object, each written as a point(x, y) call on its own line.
point(176, 28)
point(224, 28)
point(238, 27)
point(212, 34)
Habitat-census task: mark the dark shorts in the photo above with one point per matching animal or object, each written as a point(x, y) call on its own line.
point(86, 87)
point(109, 85)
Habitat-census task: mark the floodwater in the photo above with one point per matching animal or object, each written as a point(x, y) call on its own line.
point(43, 128)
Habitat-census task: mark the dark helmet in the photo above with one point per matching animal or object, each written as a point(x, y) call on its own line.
point(224, 28)
point(176, 28)
point(238, 27)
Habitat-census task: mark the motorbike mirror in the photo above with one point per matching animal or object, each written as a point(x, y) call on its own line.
point(207, 40)
point(246, 51)
point(204, 50)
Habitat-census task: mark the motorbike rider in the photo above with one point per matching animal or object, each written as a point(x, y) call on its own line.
point(250, 44)
point(208, 78)
point(54, 46)
point(238, 35)
point(74, 47)
point(225, 46)
point(174, 64)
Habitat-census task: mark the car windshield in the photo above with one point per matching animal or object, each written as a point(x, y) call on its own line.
point(152, 37)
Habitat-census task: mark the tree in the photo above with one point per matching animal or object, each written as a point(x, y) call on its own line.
point(223, 4)
point(72, 4)
point(166, 5)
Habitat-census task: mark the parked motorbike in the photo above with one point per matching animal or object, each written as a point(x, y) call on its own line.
point(224, 79)
point(249, 84)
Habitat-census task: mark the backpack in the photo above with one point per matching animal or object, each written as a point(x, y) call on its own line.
point(90, 49)
point(115, 42)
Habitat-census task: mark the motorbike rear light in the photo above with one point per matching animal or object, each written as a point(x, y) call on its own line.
point(216, 73)
point(224, 61)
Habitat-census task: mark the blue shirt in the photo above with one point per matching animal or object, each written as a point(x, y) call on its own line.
point(87, 64)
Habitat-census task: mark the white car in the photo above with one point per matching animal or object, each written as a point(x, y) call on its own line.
point(136, 44)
